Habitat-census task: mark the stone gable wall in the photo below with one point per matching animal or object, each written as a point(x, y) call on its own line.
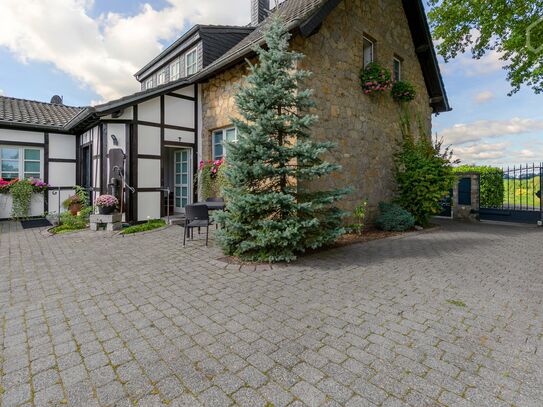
point(366, 128)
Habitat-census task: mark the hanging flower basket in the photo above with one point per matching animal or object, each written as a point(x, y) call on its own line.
point(375, 79)
point(403, 91)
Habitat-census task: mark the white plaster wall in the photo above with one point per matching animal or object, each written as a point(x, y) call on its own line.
point(20, 136)
point(62, 146)
point(186, 91)
point(148, 173)
point(149, 111)
point(149, 205)
point(36, 205)
point(148, 140)
point(62, 174)
point(179, 136)
point(179, 112)
point(127, 115)
point(55, 198)
point(119, 130)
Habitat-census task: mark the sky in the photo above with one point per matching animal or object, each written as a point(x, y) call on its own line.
point(88, 50)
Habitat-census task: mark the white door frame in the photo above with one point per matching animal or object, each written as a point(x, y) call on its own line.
point(178, 187)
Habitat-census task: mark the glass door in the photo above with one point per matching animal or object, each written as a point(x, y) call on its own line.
point(183, 178)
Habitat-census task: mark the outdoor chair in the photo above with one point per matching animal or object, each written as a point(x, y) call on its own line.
point(196, 216)
point(215, 200)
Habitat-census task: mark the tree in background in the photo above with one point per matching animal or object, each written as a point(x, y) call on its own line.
point(270, 216)
point(493, 25)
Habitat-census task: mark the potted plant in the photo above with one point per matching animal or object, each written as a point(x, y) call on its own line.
point(403, 91)
point(375, 79)
point(74, 204)
point(106, 204)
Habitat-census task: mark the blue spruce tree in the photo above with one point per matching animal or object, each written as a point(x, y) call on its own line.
point(270, 216)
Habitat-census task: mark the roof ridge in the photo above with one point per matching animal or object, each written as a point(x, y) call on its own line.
point(41, 102)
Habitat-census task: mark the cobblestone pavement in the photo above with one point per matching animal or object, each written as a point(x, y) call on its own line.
point(451, 317)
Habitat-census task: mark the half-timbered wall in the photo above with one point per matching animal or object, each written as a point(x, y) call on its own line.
point(55, 164)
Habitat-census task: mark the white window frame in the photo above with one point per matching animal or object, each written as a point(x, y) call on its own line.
point(175, 64)
point(223, 137)
point(161, 77)
point(194, 65)
point(369, 60)
point(399, 62)
point(21, 161)
point(149, 83)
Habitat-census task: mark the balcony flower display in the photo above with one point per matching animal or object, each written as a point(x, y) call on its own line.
point(375, 79)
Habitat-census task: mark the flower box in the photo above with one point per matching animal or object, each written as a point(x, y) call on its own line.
point(36, 205)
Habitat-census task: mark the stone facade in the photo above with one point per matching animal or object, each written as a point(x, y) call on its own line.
point(366, 128)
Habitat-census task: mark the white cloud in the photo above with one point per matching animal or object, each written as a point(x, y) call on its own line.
point(474, 153)
point(105, 52)
point(2, 92)
point(465, 133)
point(484, 96)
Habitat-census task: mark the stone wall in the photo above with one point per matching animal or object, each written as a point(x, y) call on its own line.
point(366, 128)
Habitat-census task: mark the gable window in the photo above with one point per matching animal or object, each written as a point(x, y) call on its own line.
point(219, 140)
point(369, 49)
point(161, 77)
point(20, 162)
point(191, 62)
point(397, 69)
point(149, 83)
point(174, 70)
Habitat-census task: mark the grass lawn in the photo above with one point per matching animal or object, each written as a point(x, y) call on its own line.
point(144, 227)
point(522, 192)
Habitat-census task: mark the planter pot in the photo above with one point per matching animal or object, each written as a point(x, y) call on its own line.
point(106, 210)
point(36, 205)
point(74, 208)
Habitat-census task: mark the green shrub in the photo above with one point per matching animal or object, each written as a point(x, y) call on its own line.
point(492, 186)
point(359, 214)
point(144, 227)
point(424, 173)
point(394, 218)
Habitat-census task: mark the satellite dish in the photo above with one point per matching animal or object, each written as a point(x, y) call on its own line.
point(57, 100)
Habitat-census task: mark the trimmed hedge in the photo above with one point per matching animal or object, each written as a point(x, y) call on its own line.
point(492, 186)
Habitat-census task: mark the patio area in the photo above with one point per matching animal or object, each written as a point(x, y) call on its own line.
point(450, 317)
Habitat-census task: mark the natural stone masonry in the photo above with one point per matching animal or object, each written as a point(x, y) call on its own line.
point(365, 128)
point(451, 317)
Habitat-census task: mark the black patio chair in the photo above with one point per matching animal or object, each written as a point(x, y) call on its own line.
point(217, 200)
point(196, 216)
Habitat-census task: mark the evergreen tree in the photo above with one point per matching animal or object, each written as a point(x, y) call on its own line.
point(270, 217)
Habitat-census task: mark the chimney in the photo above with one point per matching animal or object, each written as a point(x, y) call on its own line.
point(260, 9)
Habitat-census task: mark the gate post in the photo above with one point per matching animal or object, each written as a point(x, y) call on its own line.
point(466, 197)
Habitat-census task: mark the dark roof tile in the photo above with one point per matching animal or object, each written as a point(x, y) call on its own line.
point(38, 114)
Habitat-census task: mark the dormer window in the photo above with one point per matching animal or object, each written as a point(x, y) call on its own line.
point(174, 70)
point(149, 83)
point(191, 62)
point(161, 78)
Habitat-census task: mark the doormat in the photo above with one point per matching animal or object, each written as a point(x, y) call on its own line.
point(35, 223)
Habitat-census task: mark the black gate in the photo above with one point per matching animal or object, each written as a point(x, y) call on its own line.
point(512, 194)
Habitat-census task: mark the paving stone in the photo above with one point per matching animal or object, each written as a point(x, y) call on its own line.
point(308, 393)
point(16, 395)
point(369, 324)
point(247, 397)
point(215, 397)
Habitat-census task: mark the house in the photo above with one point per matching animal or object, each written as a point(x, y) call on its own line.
point(183, 112)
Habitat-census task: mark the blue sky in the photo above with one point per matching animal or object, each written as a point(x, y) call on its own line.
point(108, 40)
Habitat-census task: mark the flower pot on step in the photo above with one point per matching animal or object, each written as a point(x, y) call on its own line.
point(106, 210)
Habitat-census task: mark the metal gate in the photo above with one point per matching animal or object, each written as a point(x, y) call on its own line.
point(512, 195)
